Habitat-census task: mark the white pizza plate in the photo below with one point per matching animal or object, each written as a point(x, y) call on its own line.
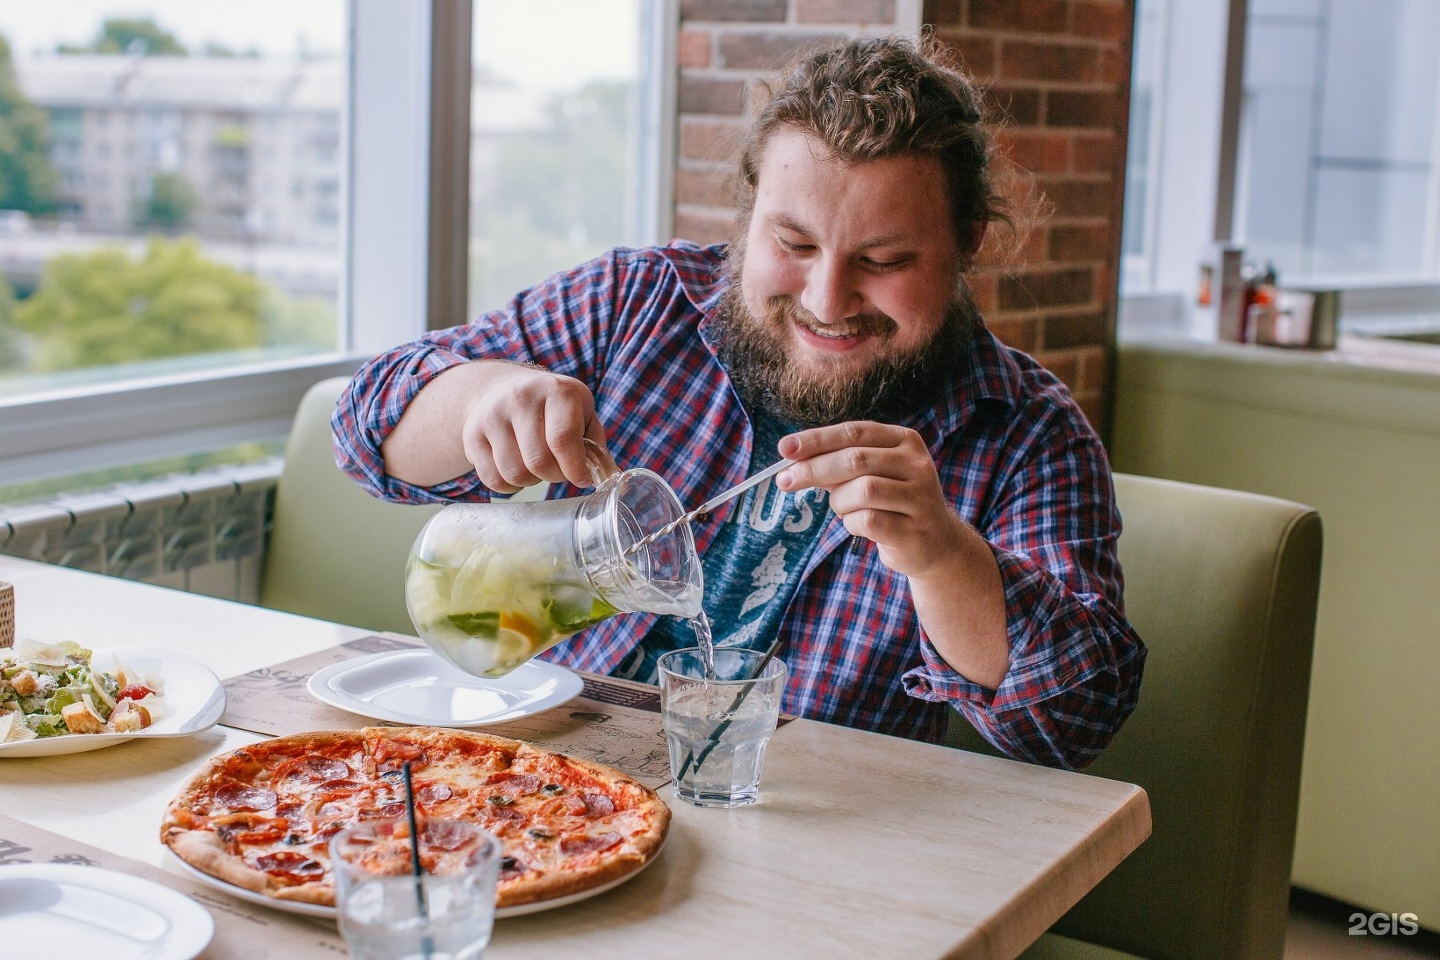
point(192, 696)
point(319, 910)
point(79, 911)
point(419, 687)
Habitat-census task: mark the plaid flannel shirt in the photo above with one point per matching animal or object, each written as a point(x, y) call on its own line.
point(1016, 458)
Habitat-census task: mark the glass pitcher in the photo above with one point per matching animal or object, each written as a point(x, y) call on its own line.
point(490, 585)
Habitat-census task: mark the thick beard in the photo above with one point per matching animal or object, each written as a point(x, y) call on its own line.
point(892, 389)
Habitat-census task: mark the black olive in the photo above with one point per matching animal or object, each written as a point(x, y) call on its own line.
point(394, 776)
point(553, 789)
point(293, 839)
point(500, 800)
point(540, 834)
point(508, 863)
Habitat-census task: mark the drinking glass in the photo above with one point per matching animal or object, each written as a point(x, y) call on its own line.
point(387, 912)
point(717, 727)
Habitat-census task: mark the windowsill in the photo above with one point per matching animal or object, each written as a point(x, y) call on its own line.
point(1165, 322)
point(1352, 355)
point(90, 429)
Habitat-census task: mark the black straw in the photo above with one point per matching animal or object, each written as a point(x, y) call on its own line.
point(713, 740)
point(427, 945)
point(414, 831)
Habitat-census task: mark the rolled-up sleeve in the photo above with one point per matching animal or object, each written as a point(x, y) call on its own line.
point(1075, 661)
point(560, 324)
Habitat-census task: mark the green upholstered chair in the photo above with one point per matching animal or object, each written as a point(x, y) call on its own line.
point(1222, 587)
point(335, 552)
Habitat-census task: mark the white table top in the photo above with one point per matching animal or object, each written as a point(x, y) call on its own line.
point(862, 845)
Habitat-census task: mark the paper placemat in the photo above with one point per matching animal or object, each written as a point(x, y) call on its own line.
point(243, 931)
point(614, 722)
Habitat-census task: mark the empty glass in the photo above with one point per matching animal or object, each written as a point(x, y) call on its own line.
point(386, 912)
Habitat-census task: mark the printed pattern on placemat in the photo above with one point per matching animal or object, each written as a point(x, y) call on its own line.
point(243, 931)
point(622, 693)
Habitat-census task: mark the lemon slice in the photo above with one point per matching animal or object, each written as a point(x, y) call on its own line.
point(474, 586)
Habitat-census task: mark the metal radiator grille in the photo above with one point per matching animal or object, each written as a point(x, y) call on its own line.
point(202, 532)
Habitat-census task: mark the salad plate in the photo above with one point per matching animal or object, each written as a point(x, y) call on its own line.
point(94, 912)
point(192, 695)
point(419, 687)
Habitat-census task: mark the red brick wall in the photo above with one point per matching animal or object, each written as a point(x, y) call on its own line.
point(1056, 70)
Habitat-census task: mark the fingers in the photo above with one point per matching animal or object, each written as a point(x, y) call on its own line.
point(830, 456)
point(533, 428)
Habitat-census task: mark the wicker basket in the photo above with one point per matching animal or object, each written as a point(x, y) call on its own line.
point(7, 615)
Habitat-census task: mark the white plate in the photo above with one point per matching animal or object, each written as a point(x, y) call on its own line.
point(419, 687)
point(317, 910)
point(193, 697)
point(74, 911)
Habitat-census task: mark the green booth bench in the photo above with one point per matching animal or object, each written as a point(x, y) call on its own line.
point(1355, 433)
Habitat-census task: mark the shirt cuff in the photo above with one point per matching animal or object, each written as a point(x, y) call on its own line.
point(1050, 651)
point(385, 412)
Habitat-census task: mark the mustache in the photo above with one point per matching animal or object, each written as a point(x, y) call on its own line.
point(782, 310)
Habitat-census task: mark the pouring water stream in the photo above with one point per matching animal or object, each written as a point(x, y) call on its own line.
point(701, 623)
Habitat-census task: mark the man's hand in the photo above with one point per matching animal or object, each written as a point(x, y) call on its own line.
point(884, 486)
point(514, 424)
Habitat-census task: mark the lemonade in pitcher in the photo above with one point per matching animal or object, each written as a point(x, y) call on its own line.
point(488, 586)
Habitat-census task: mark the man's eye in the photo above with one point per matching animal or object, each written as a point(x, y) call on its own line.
point(895, 264)
point(792, 246)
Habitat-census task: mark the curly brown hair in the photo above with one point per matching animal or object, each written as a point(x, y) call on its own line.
point(879, 97)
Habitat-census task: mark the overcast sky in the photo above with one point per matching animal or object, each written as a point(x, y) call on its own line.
point(598, 39)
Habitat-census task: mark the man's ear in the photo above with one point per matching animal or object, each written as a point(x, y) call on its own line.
point(977, 238)
point(972, 247)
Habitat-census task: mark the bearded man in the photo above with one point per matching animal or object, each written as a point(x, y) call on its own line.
point(945, 539)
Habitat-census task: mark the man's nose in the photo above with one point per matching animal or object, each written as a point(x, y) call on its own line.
point(830, 291)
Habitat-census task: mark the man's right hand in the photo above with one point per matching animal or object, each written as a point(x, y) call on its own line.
point(515, 425)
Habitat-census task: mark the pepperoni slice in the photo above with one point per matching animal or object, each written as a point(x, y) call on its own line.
point(514, 784)
point(567, 806)
point(491, 812)
point(576, 846)
point(289, 865)
point(433, 793)
point(445, 835)
point(313, 768)
point(391, 755)
point(597, 805)
point(240, 796)
point(267, 831)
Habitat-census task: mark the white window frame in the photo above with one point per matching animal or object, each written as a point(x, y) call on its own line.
point(1198, 146)
point(383, 300)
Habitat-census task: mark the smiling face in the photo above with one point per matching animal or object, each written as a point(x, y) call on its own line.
point(849, 300)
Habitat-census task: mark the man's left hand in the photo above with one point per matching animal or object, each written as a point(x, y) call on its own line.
point(884, 486)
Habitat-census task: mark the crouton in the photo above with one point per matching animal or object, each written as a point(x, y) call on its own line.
point(24, 683)
point(128, 717)
point(82, 717)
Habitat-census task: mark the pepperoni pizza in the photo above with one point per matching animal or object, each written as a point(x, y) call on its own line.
point(261, 817)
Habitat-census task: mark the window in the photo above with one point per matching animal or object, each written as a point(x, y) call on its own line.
point(1319, 155)
point(339, 227)
point(559, 159)
point(177, 267)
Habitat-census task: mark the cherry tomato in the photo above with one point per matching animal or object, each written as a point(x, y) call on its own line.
point(134, 692)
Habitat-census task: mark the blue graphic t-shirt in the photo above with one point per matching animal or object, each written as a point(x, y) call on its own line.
point(753, 566)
